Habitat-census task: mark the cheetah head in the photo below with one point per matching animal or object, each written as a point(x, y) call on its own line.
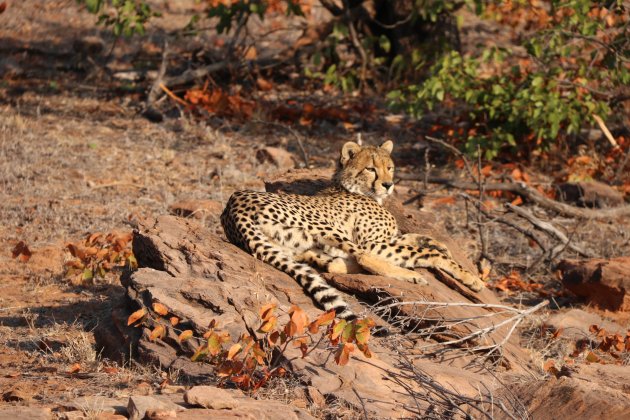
point(367, 170)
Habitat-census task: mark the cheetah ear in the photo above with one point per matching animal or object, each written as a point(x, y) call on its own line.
point(388, 146)
point(348, 151)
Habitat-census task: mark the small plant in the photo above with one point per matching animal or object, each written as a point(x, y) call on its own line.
point(125, 17)
point(251, 361)
point(97, 255)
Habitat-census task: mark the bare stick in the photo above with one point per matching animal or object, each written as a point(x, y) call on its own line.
point(606, 131)
point(155, 91)
point(548, 228)
point(457, 152)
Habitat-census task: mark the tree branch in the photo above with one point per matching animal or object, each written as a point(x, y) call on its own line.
point(529, 193)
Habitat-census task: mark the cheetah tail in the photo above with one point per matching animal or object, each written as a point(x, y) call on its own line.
point(311, 281)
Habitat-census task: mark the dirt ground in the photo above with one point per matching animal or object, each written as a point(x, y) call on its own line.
point(77, 158)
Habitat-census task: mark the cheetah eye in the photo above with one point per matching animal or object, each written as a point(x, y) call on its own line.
point(390, 169)
point(371, 169)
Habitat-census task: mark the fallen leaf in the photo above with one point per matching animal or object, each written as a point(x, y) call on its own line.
point(233, 351)
point(158, 333)
point(185, 335)
point(137, 315)
point(160, 309)
point(263, 84)
point(74, 368)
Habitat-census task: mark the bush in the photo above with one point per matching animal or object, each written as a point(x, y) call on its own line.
point(542, 90)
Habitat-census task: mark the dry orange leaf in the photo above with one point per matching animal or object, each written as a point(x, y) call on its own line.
point(158, 332)
point(263, 84)
point(448, 200)
point(342, 356)
point(185, 335)
point(74, 368)
point(251, 53)
point(160, 309)
point(266, 311)
point(233, 351)
point(137, 315)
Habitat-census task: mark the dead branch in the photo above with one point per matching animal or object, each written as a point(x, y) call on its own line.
point(521, 189)
point(549, 229)
point(156, 90)
point(443, 325)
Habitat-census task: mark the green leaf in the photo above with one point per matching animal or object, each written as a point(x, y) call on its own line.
point(384, 43)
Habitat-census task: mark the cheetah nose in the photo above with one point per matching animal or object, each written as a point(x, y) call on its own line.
point(388, 185)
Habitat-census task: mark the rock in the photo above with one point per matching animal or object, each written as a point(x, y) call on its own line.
point(98, 404)
point(21, 412)
point(590, 194)
point(138, 406)
point(220, 402)
point(280, 158)
point(160, 414)
point(570, 398)
point(212, 397)
point(605, 283)
point(315, 396)
point(575, 324)
point(199, 209)
point(17, 394)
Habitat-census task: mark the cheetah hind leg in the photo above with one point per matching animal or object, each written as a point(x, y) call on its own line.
point(382, 267)
point(336, 265)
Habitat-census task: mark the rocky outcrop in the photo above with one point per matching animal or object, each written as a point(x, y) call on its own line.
point(200, 277)
point(603, 282)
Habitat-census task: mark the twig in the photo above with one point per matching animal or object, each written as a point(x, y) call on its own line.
point(356, 43)
point(548, 228)
point(457, 152)
point(293, 132)
point(482, 229)
point(606, 131)
point(521, 189)
point(173, 96)
point(484, 331)
point(156, 90)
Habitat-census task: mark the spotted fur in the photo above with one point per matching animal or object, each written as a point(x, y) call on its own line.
point(343, 229)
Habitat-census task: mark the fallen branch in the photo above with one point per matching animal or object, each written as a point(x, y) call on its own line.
point(549, 229)
point(521, 189)
point(442, 325)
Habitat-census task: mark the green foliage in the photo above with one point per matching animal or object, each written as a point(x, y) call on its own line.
point(125, 17)
point(572, 62)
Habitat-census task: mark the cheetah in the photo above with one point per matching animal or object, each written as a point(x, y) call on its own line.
point(342, 229)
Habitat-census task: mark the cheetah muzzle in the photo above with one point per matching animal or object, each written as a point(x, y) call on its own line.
point(343, 229)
